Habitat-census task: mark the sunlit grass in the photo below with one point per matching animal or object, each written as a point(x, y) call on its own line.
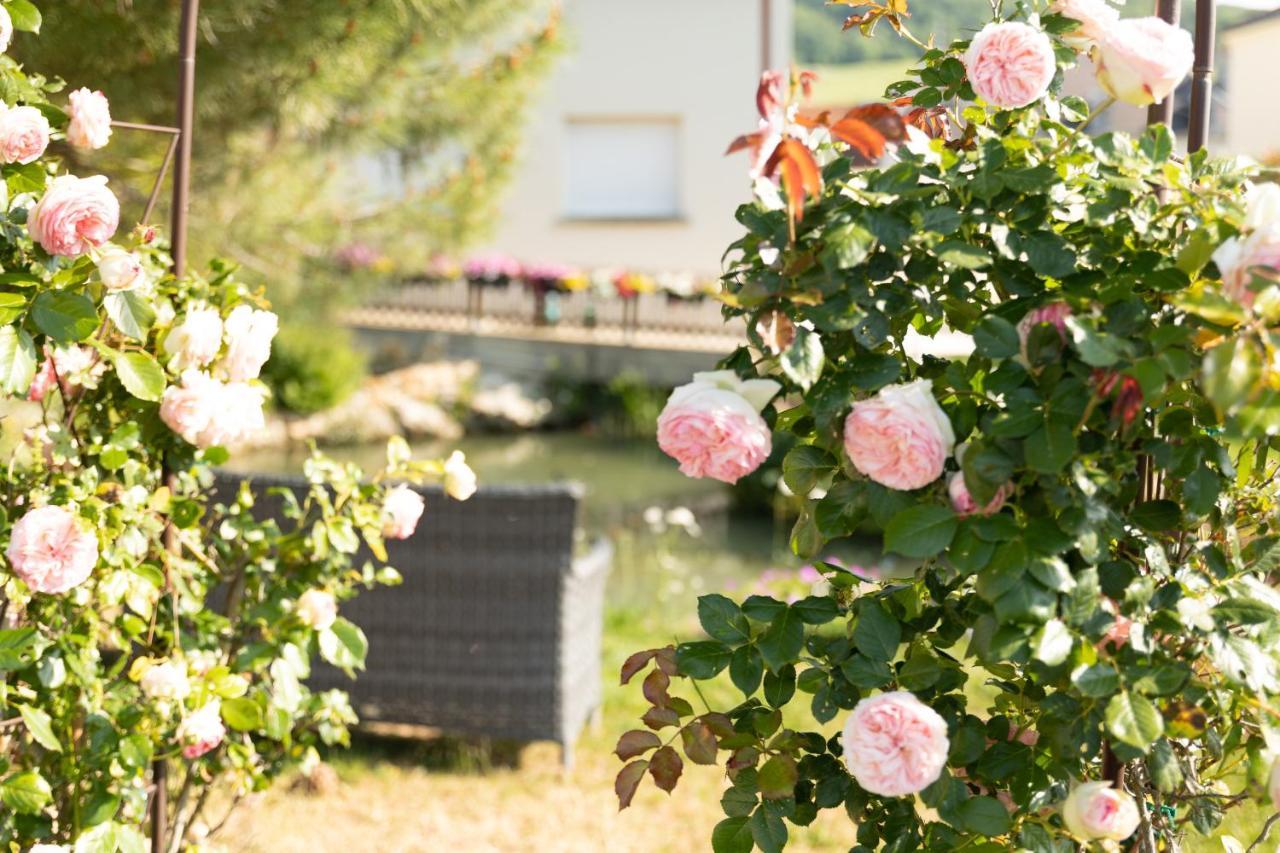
point(849, 85)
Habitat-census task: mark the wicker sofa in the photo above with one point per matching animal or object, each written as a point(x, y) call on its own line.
point(496, 630)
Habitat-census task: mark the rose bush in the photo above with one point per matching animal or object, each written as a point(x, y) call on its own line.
point(145, 621)
point(1087, 652)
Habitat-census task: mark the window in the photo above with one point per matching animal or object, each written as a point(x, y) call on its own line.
point(621, 169)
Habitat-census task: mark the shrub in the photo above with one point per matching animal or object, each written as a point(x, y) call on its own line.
point(313, 368)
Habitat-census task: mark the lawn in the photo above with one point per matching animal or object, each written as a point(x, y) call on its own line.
point(393, 795)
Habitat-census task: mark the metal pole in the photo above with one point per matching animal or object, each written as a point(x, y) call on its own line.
point(1202, 74)
point(186, 124)
point(178, 236)
point(1162, 113)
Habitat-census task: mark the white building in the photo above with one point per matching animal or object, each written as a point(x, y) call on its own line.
point(623, 163)
point(1252, 123)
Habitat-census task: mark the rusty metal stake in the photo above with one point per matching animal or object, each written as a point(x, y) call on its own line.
point(1162, 113)
point(1202, 75)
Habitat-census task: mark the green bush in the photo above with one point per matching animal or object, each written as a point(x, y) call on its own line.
point(313, 368)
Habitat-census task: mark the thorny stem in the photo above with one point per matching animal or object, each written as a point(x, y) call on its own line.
point(1262, 836)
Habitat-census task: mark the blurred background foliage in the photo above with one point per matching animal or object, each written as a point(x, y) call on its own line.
point(320, 124)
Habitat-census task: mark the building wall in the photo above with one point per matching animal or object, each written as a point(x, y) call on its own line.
point(682, 75)
point(1252, 122)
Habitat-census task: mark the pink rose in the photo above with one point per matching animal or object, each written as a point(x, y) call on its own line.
point(24, 134)
point(119, 270)
point(209, 413)
point(1095, 18)
point(1095, 811)
point(900, 438)
point(963, 503)
point(317, 609)
point(74, 215)
point(712, 426)
point(51, 551)
point(1054, 314)
point(196, 340)
point(1117, 636)
point(90, 126)
point(249, 333)
point(401, 509)
point(202, 731)
point(1240, 260)
point(45, 381)
point(1141, 60)
point(1010, 65)
point(894, 744)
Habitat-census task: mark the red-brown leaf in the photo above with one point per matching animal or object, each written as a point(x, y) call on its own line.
point(883, 118)
point(666, 659)
point(776, 331)
point(699, 742)
point(747, 756)
point(745, 142)
point(769, 94)
point(636, 742)
point(660, 718)
point(720, 724)
point(665, 767)
point(800, 175)
point(635, 663)
point(628, 780)
point(655, 688)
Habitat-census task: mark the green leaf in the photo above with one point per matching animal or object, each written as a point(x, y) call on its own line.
point(722, 619)
point(745, 669)
point(805, 467)
point(920, 531)
point(26, 17)
point(1200, 491)
point(17, 360)
point(1134, 720)
point(1096, 349)
point(65, 316)
point(140, 374)
point(816, 609)
point(1051, 447)
point(877, 634)
point(1096, 681)
point(732, 835)
point(26, 793)
point(1156, 516)
point(40, 725)
point(983, 815)
point(702, 660)
point(780, 687)
point(996, 338)
point(768, 831)
point(963, 255)
point(344, 645)
point(11, 307)
point(131, 313)
point(243, 714)
point(782, 642)
point(1230, 372)
point(803, 360)
point(1049, 255)
point(777, 777)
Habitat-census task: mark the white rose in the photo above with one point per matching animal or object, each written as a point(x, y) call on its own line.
point(90, 113)
point(1095, 810)
point(317, 609)
point(196, 340)
point(166, 682)
point(401, 509)
point(119, 270)
point(249, 334)
point(459, 479)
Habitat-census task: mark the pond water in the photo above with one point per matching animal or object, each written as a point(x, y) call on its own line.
point(634, 495)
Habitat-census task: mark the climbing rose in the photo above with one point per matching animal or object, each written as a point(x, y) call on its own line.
point(1142, 60)
point(119, 270)
point(90, 126)
point(1095, 811)
point(249, 333)
point(51, 551)
point(209, 413)
point(1093, 17)
point(196, 340)
point(24, 134)
point(900, 438)
point(459, 479)
point(166, 681)
point(317, 609)
point(401, 509)
point(712, 426)
point(1240, 258)
point(74, 215)
point(894, 744)
point(202, 731)
point(1010, 64)
point(964, 504)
